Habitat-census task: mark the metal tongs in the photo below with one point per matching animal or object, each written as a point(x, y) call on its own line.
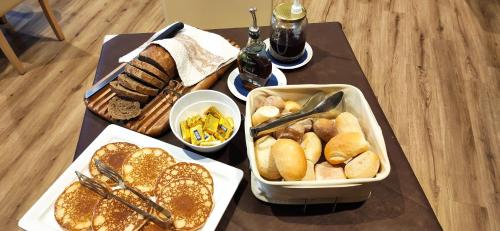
point(163, 218)
point(319, 104)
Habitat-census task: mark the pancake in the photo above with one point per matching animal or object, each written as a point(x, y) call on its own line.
point(142, 169)
point(113, 155)
point(111, 215)
point(74, 207)
point(151, 226)
point(184, 170)
point(189, 201)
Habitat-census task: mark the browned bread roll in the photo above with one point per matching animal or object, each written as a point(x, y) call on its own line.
point(310, 174)
point(365, 165)
point(291, 107)
point(264, 114)
point(275, 101)
point(265, 161)
point(344, 146)
point(326, 171)
point(347, 122)
point(324, 128)
point(290, 159)
point(312, 146)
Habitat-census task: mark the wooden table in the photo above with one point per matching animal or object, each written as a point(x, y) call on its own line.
point(398, 203)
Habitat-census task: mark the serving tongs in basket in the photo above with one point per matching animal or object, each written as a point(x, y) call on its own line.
point(164, 215)
point(317, 105)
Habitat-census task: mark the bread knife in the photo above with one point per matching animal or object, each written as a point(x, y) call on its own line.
point(168, 33)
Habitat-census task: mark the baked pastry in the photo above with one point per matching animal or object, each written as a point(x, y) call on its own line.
point(324, 128)
point(347, 122)
point(126, 93)
point(265, 161)
point(112, 215)
point(150, 69)
point(123, 109)
point(345, 146)
point(142, 169)
point(294, 132)
point(157, 56)
point(275, 101)
point(326, 171)
point(365, 165)
point(113, 155)
point(264, 114)
point(290, 159)
point(143, 76)
point(184, 170)
point(310, 173)
point(291, 107)
point(74, 207)
point(312, 147)
point(189, 201)
point(136, 86)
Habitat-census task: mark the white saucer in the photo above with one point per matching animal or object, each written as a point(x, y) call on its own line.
point(236, 86)
point(306, 57)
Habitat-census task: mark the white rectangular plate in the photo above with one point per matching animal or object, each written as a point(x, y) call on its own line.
point(226, 178)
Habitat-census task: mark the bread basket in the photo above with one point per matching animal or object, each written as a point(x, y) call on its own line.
point(327, 191)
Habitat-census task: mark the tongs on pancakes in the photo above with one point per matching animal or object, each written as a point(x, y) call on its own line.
point(164, 216)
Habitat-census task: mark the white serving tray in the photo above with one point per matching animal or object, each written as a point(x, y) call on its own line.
point(226, 178)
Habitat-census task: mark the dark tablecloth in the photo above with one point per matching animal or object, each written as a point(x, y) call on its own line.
point(397, 203)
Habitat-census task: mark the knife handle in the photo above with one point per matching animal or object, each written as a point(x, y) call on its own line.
point(171, 31)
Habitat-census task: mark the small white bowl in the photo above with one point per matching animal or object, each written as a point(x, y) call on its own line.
point(195, 103)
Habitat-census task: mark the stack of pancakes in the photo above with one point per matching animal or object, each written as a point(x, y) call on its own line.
point(185, 189)
point(143, 79)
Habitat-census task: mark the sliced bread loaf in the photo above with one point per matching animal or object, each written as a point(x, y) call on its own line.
point(143, 76)
point(136, 86)
point(150, 69)
point(126, 93)
point(122, 109)
point(160, 58)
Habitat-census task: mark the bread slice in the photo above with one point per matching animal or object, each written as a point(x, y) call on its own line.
point(74, 207)
point(142, 169)
point(184, 170)
point(189, 201)
point(126, 93)
point(113, 155)
point(150, 69)
point(157, 56)
point(110, 214)
point(122, 109)
point(136, 86)
point(143, 76)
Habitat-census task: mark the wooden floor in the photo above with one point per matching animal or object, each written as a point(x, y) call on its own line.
point(434, 66)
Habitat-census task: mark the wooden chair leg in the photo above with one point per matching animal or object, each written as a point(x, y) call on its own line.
point(47, 10)
point(11, 56)
point(4, 23)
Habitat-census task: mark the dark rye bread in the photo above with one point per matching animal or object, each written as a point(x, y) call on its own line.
point(143, 76)
point(122, 109)
point(126, 93)
point(160, 58)
point(136, 86)
point(150, 69)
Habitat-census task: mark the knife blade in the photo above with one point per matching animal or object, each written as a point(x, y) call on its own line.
point(168, 33)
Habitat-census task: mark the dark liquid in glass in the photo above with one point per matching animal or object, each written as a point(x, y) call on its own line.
point(286, 46)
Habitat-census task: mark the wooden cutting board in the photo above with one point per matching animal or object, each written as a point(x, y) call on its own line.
point(153, 120)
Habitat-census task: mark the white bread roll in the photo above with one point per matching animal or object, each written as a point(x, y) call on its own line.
point(312, 146)
point(326, 171)
point(310, 175)
point(264, 113)
point(265, 161)
point(290, 159)
point(345, 146)
point(324, 128)
point(347, 122)
point(291, 107)
point(275, 101)
point(363, 166)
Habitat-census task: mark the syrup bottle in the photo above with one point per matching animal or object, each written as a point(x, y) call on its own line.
point(253, 63)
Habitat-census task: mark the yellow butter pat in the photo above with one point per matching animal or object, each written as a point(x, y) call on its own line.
point(214, 112)
point(196, 134)
point(210, 143)
point(210, 124)
point(185, 131)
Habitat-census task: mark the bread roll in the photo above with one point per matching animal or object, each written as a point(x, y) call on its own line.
point(275, 101)
point(363, 166)
point(312, 146)
point(290, 159)
point(347, 122)
point(291, 107)
point(264, 114)
point(324, 128)
point(326, 171)
point(265, 161)
point(309, 172)
point(344, 146)
point(295, 132)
